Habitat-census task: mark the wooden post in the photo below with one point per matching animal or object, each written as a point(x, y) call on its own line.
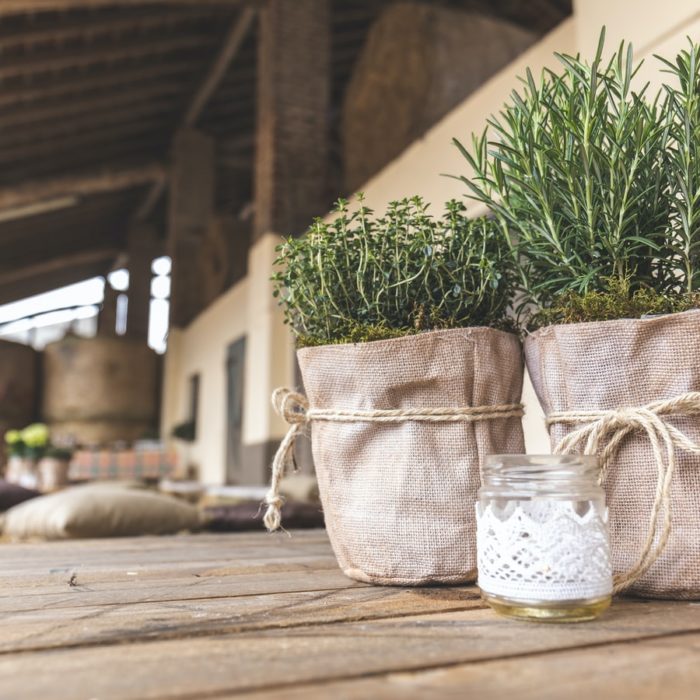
point(143, 246)
point(291, 165)
point(107, 319)
point(292, 115)
point(191, 209)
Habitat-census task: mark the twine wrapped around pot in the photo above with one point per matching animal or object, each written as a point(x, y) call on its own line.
point(399, 428)
point(629, 391)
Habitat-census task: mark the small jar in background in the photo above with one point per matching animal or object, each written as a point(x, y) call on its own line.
point(543, 547)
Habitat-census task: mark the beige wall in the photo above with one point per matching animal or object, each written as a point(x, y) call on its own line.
point(201, 348)
point(247, 309)
point(653, 27)
point(646, 23)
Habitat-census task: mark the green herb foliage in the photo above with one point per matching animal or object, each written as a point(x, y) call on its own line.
point(681, 253)
point(361, 277)
point(600, 184)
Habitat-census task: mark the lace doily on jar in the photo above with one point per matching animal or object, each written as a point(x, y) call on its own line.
point(543, 550)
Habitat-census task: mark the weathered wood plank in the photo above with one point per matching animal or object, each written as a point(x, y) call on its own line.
point(218, 583)
point(209, 559)
point(151, 569)
point(180, 542)
point(645, 670)
point(206, 666)
point(42, 556)
point(181, 619)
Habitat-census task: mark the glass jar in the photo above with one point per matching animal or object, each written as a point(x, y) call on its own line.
point(542, 537)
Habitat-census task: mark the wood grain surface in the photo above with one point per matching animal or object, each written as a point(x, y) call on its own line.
point(259, 616)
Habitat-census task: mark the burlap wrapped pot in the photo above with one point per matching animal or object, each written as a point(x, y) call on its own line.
point(398, 491)
point(626, 390)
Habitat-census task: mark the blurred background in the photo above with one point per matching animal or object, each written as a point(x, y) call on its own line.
point(153, 153)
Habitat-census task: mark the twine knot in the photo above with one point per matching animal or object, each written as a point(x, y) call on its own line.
point(290, 405)
point(610, 428)
point(293, 407)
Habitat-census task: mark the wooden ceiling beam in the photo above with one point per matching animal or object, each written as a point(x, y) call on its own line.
point(92, 106)
point(22, 7)
point(94, 27)
point(103, 121)
point(233, 42)
point(80, 185)
point(237, 34)
point(86, 139)
point(59, 278)
point(135, 149)
point(95, 121)
point(149, 77)
point(110, 54)
point(88, 257)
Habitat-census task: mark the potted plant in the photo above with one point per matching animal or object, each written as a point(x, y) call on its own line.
point(53, 468)
point(186, 432)
point(412, 375)
point(17, 462)
point(26, 447)
point(600, 187)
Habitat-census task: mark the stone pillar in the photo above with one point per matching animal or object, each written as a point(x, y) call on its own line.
point(190, 210)
point(143, 247)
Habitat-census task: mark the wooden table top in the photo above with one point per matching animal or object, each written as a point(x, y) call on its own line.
point(271, 616)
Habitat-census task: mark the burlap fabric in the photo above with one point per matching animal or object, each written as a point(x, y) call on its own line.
point(631, 363)
point(398, 498)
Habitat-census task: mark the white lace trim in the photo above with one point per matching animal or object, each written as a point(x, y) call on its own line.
point(543, 550)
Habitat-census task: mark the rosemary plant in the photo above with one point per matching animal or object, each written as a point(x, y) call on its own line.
point(681, 255)
point(600, 184)
point(362, 277)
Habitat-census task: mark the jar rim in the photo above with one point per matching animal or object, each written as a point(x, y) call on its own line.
point(541, 460)
point(542, 470)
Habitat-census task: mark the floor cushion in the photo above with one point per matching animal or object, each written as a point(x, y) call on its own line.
point(13, 494)
point(99, 510)
point(239, 517)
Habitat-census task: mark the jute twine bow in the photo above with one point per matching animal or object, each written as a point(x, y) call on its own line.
point(611, 428)
point(294, 408)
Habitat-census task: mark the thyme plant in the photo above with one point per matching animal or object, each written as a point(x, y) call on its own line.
point(363, 277)
point(599, 183)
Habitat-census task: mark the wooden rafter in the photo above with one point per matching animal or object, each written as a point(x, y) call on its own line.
point(88, 138)
point(83, 59)
point(140, 77)
point(92, 107)
point(93, 28)
point(232, 44)
point(56, 264)
point(135, 150)
point(80, 185)
point(162, 108)
point(21, 7)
